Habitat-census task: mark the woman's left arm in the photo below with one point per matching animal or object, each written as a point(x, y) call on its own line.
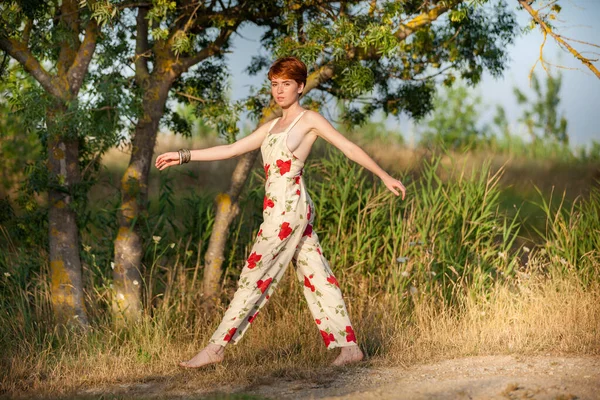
point(325, 130)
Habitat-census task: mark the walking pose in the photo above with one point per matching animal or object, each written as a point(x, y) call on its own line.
point(286, 233)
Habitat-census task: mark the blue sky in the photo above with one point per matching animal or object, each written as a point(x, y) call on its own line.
point(580, 92)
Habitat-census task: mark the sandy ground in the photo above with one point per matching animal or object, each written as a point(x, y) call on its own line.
point(487, 377)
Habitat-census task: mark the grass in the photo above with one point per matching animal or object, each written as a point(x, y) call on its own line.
point(443, 274)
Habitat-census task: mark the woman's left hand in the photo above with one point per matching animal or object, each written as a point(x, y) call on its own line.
point(392, 184)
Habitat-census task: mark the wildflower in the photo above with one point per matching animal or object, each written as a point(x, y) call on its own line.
point(172, 245)
point(563, 261)
point(112, 265)
point(121, 296)
point(405, 274)
point(156, 239)
point(402, 259)
point(526, 249)
point(502, 255)
point(135, 282)
point(6, 274)
point(189, 253)
point(87, 248)
point(432, 273)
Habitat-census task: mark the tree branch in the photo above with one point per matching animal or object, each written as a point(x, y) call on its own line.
point(321, 75)
point(84, 55)
point(141, 46)
point(547, 30)
point(425, 18)
point(21, 53)
point(210, 50)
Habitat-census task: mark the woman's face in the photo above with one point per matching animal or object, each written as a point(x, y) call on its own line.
point(285, 91)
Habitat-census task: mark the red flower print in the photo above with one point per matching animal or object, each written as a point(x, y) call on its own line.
point(327, 338)
point(253, 259)
point(318, 321)
point(318, 250)
point(331, 279)
point(230, 334)
point(251, 318)
point(308, 231)
point(259, 232)
point(267, 203)
point(297, 180)
point(308, 214)
point(298, 192)
point(284, 166)
point(263, 285)
point(267, 170)
point(350, 334)
point(308, 284)
point(285, 230)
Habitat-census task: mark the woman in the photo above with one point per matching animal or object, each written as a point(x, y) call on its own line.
point(286, 232)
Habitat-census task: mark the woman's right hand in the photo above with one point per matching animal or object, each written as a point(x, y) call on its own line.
point(167, 160)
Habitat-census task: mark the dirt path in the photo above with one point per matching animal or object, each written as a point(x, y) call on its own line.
point(489, 377)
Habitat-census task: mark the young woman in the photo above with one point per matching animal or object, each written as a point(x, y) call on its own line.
point(286, 232)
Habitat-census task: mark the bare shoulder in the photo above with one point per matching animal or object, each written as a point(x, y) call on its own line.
point(317, 122)
point(314, 117)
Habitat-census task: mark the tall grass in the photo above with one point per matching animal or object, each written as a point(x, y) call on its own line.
point(437, 275)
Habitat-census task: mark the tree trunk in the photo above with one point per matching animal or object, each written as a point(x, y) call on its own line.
point(127, 282)
point(66, 284)
point(227, 208)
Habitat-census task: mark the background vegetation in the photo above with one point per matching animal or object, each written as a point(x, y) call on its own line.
point(495, 250)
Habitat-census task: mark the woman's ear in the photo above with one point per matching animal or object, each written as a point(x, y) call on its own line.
point(301, 88)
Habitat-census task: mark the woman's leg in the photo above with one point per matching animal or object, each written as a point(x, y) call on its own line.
point(325, 301)
point(271, 253)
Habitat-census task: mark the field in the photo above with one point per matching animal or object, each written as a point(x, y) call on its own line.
point(490, 255)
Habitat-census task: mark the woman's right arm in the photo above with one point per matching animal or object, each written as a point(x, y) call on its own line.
point(222, 152)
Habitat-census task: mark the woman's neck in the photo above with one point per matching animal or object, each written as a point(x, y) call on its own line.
point(292, 110)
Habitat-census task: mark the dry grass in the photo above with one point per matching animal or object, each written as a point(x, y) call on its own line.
point(530, 315)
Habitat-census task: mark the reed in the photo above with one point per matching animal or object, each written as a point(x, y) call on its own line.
point(438, 275)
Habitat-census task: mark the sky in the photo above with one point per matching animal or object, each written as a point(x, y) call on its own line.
point(580, 92)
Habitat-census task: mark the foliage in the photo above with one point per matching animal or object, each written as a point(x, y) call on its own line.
point(378, 68)
point(207, 89)
point(540, 114)
point(455, 121)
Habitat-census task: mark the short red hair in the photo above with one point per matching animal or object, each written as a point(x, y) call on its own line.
point(289, 68)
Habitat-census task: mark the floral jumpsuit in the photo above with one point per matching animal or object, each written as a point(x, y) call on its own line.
point(285, 234)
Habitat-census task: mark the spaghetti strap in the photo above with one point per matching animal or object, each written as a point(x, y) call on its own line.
point(273, 124)
point(294, 122)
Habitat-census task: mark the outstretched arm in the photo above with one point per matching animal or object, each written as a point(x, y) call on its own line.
point(222, 152)
point(354, 152)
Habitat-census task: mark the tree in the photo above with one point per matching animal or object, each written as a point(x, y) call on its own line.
point(541, 117)
point(178, 45)
point(453, 123)
point(394, 50)
point(62, 35)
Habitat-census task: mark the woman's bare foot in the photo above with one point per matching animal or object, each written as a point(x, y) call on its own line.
point(350, 354)
point(213, 353)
